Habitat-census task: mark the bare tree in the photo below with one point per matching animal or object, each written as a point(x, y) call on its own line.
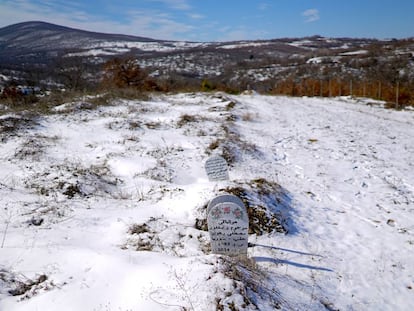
point(124, 72)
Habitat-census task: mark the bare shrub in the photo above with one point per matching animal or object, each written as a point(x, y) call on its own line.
point(266, 203)
point(249, 282)
point(12, 124)
point(19, 285)
point(185, 119)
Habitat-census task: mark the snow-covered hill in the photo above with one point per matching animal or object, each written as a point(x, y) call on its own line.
point(102, 209)
point(50, 56)
point(40, 36)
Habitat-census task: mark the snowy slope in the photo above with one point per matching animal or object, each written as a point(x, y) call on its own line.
point(98, 207)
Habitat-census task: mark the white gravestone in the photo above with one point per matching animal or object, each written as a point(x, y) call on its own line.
point(216, 168)
point(228, 226)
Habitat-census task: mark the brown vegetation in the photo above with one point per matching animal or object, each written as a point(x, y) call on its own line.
point(400, 93)
point(126, 73)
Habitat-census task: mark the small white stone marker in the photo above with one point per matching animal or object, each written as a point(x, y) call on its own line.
point(216, 168)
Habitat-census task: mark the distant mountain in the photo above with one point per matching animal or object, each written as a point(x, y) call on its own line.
point(36, 40)
point(35, 34)
point(33, 51)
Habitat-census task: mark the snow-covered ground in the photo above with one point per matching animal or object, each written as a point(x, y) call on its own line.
point(98, 208)
point(117, 47)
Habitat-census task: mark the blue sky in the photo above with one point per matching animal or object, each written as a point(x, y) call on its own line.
point(222, 20)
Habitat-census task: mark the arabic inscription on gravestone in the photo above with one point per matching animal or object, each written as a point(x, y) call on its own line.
point(228, 226)
point(216, 168)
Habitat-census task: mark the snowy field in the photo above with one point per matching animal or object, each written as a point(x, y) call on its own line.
point(102, 209)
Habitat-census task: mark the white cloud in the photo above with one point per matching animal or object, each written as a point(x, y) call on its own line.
point(195, 16)
point(157, 25)
point(175, 4)
point(226, 34)
point(311, 15)
point(264, 6)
